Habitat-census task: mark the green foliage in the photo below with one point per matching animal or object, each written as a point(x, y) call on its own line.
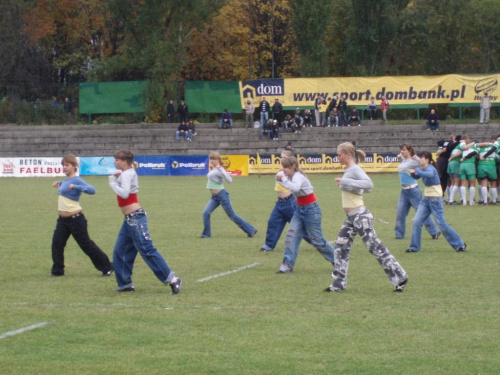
point(252, 321)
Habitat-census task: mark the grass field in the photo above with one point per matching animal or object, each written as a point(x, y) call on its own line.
point(251, 321)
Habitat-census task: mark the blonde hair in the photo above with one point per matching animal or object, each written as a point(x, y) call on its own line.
point(127, 156)
point(215, 155)
point(348, 148)
point(291, 162)
point(70, 159)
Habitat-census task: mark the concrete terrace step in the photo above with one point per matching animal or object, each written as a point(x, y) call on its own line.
point(158, 139)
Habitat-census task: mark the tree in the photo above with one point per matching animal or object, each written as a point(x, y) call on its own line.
point(310, 19)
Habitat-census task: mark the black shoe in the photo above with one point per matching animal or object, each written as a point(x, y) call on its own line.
point(331, 289)
point(108, 272)
point(264, 250)
point(401, 286)
point(56, 274)
point(462, 249)
point(436, 236)
point(398, 238)
point(253, 234)
point(411, 251)
point(176, 287)
point(128, 289)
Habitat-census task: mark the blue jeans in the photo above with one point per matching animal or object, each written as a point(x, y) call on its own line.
point(264, 116)
point(410, 198)
point(134, 237)
point(230, 123)
point(306, 220)
point(427, 207)
point(223, 199)
point(178, 135)
point(281, 214)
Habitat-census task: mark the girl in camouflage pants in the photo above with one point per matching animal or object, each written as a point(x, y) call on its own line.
point(359, 220)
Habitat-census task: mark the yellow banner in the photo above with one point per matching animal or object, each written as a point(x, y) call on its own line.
point(324, 163)
point(235, 165)
point(405, 90)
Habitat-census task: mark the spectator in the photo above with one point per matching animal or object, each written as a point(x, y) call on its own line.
point(432, 122)
point(170, 111)
point(264, 111)
point(68, 106)
point(307, 118)
point(275, 130)
point(277, 110)
point(287, 124)
point(485, 106)
point(191, 129)
point(226, 120)
point(371, 109)
point(332, 105)
point(384, 107)
point(182, 131)
point(317, 102)
point(342, 111)
point(354, 117)
point(298, 111)
point(297, 123)
point(322, 113)
point(249, 111)
point(265, 132)
point(183, 111)
point(333, 118)
point(54, 103)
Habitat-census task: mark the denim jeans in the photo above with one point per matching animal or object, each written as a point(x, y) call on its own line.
point(134, 237)
point(427, 207)
point(223, 199)
point(264, 116)
point(76, 226)
point(281, 214)
point(410, 198)
point(306, 220)
point(360, 221)
point(484, 115)
point(178, 135)
point(332, 120)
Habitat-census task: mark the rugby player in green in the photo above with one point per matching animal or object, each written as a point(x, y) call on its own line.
point(468, 170)
point(487, 169)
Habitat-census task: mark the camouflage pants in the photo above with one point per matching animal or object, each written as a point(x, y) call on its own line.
point(360, 221)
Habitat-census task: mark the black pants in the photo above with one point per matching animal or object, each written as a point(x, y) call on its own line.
point(76, 226)
point(442, 165)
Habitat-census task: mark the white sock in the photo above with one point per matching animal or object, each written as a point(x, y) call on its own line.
point(484, 194)
point(472, 195)
point(453, 192)
point(447, 193)
point(463, 197)
point(493, 195)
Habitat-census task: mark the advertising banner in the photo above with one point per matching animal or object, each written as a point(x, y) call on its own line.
point(321, 163)
point(404, 90)
point(187, 165)
point(31, 167)
point(236, 165)
point(152, 165)
point(97, 166)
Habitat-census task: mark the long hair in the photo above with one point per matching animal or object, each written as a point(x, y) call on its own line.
point(292, 162)
point(288, 153)
point(408, 147)
point(348, 148)
point(215, 155)
point(127, 156)
point(70, 159)
point(428, 156)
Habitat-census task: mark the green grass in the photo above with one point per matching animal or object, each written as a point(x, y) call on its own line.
point(249, 322)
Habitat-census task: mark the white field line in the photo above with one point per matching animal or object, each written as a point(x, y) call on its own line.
point(21, 330)
point(227, 273)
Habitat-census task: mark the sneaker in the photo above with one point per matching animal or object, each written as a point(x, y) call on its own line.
point(411, 251)
point(398, 238)
point(264, 250)
point(436, 236)
point(285, 268)
point(107, 273)
point(462, 249)
point(401, 285)
point(253, 234)
point(204, 236)
point(128, 289)
point(330, 288)
point(56, 274)
point(176, 287)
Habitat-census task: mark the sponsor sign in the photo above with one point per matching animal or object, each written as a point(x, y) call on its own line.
point(152, 165)
point(31, 167)
point(235, 165)
point(405, 90)
point(321, 163)
point(187, 165)
point(97, 166)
